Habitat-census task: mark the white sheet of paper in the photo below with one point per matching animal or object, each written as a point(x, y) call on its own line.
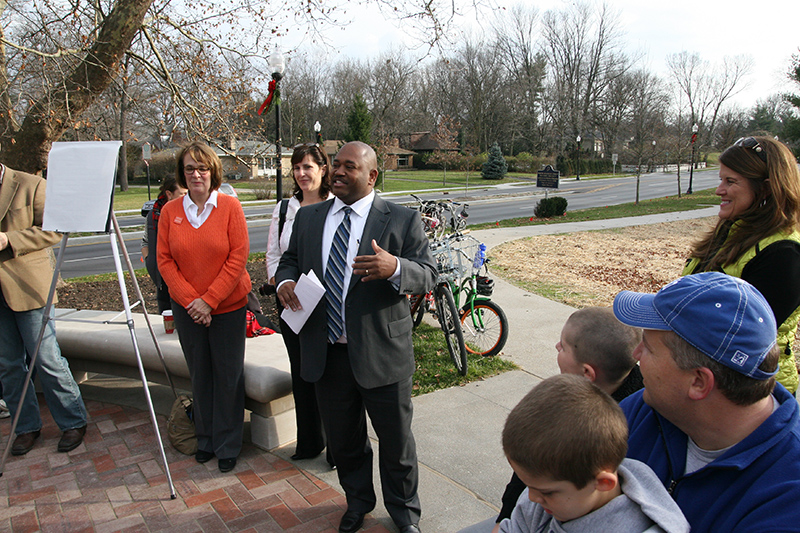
point(80, 186)
point(309, 291)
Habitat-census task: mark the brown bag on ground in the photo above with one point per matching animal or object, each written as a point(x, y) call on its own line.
point(180, 426)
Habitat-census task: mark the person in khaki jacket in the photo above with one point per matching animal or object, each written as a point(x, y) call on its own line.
point(25, 277)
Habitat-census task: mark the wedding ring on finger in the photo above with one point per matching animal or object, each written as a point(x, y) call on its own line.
point(367, 272)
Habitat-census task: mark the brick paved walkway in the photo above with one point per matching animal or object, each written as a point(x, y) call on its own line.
point(115, 481)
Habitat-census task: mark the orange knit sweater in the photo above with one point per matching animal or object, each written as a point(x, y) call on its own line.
point(206, 262)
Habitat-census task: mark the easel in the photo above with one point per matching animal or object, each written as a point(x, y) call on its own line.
point(115, 237)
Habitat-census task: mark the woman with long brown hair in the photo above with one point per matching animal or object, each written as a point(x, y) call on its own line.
point(757, 237)
point(311, 170)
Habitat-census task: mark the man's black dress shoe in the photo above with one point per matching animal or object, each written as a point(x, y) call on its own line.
point(24, 442)
point(203, 456)
point(351, 522)
point(71, 439)
point(226, 465)
point(410, 528)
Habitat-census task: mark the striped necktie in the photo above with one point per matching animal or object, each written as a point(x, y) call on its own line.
point(334, 278)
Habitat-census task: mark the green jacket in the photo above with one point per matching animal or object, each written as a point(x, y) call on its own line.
point(787, 372)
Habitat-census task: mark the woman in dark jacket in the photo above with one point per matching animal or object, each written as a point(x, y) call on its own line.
point(169, 191)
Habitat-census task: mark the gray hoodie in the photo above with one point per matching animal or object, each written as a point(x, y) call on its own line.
point(643, 506)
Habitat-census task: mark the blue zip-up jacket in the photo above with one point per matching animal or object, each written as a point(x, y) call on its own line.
point(754, 486)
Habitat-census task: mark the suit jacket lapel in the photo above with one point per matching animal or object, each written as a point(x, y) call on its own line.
point(7, 191)
point(315, 237)
point(377, 220)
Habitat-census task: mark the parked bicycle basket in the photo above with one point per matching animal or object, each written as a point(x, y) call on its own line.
point(446, 260)
point(455, 256)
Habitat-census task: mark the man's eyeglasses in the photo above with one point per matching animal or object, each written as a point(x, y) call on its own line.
point(751, 142)
point(190, 170)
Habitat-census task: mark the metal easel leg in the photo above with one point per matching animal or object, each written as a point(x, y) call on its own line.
point(129, 319)
point(141, 300)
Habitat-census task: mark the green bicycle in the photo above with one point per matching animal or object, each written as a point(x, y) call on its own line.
point(470, 320)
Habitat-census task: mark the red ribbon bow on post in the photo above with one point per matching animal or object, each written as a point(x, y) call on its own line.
point(272, 93)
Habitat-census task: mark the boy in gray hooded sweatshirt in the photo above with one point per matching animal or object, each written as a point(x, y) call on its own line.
point(566, 440)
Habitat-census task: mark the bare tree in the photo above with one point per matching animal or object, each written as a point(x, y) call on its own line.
point(707, 87)
point(480, 93)
point(582, 46)
point(731, 125)
point(524, 72)
point(446, 137)
point(60, 56)
point(388, 91)
point(648, 109)
point(612, 110)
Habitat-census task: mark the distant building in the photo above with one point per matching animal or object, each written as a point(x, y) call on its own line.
point(396, 158)
point(251, 159)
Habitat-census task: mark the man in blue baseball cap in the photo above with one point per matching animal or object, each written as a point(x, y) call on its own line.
point(721, 435)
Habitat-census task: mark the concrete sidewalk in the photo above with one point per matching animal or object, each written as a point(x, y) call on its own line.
point(115, 482)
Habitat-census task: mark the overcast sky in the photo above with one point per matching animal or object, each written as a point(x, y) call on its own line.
point(767, 31)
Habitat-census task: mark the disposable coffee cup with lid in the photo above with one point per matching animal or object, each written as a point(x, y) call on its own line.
point(169, 323)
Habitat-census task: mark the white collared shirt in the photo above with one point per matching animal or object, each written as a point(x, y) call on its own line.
point(191, 209)
point(358, 219)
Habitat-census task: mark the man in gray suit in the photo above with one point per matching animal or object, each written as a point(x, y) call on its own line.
point(356, 345)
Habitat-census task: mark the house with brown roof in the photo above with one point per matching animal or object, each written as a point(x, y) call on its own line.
point(396, 158)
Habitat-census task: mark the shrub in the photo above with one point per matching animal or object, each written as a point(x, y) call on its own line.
point(262, 189)
point(589, 165)
point(527, 162)
point(555, 206)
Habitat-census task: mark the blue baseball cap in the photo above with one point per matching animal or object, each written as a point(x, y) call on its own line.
point(724, 317)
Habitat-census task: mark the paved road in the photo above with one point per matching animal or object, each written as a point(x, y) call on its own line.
point(86, 256)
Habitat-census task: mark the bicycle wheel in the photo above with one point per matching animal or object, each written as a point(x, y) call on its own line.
point(485, 329)
point(418, 301)
point(448, 319)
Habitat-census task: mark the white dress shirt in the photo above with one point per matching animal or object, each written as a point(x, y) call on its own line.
point(358, 219)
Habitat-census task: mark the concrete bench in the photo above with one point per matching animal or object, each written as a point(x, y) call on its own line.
point(90, 345)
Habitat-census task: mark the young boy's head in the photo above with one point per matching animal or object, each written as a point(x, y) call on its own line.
point(565, 440)
point(597, 346)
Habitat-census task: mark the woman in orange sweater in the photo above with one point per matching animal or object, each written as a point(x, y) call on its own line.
point(202, 253)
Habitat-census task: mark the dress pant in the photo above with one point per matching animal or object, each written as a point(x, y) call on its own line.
point(19, 332)
point(344, 406)
point(310, 437)
point(215, 357)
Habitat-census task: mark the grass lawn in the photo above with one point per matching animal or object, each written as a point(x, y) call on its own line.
point(435, 369)
point(135, 196)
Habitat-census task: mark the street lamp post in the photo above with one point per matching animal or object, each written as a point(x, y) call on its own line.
point(278, 65)
point(691, 165)
point(653, 159)
point(317, 130)
point(578, 158)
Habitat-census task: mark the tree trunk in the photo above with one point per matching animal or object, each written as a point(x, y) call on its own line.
point(27, 148)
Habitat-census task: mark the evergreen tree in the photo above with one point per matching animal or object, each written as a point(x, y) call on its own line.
point(495, 167)
point(359, 121)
